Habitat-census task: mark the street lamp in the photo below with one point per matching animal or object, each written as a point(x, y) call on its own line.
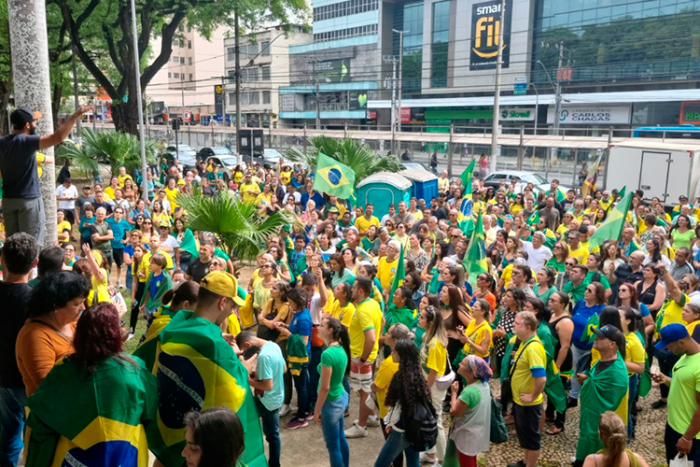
point(137, 73)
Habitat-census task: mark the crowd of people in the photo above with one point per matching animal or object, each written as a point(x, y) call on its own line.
point(329, 312)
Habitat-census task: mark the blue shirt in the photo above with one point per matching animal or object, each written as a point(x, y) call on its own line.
point(301, 324)
point(271, 366)
point(155, 282)
point(580, 317)
point(119, 229)
point(317, 197)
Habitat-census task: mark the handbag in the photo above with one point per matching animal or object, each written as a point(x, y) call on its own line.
point(499, 430)
point(445, 381)
point(266, 333)
point(681, 460)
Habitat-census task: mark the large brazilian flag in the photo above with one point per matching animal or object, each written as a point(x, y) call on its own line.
point(196, 370)
point(103, 418)
point(147, 350)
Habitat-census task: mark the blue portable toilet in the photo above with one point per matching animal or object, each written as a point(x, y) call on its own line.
point(424, 184)
point(381, 190)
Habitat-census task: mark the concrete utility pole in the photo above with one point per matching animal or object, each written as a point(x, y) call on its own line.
point(237, 45)
point(497, 92)
point(139, 101)
point(394, 62)
point(32, 82)
point(557, 101)
point(318, 94)
point(79, 123)
point(400, 85)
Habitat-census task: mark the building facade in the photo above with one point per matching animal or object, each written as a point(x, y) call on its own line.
point(624, 63)
point(264, 61)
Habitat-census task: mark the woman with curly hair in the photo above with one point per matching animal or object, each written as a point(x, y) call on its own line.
point(408, 388)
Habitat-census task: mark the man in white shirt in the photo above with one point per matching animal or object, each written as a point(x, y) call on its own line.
point(538, 254)
point(66, 194)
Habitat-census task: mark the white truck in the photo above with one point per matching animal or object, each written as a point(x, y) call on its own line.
point(662, 169)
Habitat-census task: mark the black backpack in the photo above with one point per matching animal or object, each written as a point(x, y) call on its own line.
point(421, 427)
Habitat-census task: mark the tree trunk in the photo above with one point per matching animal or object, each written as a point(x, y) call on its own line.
point(5, 91)
point(30, 67)
point(56, 103)
point(125, 117)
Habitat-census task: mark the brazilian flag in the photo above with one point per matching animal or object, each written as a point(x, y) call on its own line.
point(100, 418)
point(475, 261)
point(148, 348)
point(197, 370)
point(333, 178)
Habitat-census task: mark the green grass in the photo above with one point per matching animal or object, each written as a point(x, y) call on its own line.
point(131, 345)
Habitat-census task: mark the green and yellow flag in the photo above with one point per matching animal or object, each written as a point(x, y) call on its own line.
point(475, 261)
point(333, 178)
point(197, 370)
point(100, 418)
point(399, 276)
point(611, 229)
point(534, 218)
point(466, 178)
point(147, 349)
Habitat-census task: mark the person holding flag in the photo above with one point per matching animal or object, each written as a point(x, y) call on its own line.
point(475, 261)
point(334, 178)
point(198, 369)
point(589, 183)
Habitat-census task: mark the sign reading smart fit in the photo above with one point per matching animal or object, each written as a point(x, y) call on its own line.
point(591, 115)
point(486, 30)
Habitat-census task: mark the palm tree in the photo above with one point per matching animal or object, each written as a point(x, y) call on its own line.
point(117, 148)
point(238, 225)
point(359, 157)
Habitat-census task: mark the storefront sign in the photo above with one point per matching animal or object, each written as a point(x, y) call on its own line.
point(485, 33)
point(405, 115)
point(591, 115)
point(690, 113)
point(371, 115)
point(333, 71)
point(517, 114)
point(219, 99)
point(358, 100)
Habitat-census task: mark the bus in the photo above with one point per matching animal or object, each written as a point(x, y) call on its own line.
point(669, 132)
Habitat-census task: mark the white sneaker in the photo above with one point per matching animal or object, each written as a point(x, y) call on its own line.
point(373, 421)
point(356, 431)
point(131, 336)
point(426, 459)
point(285, 410)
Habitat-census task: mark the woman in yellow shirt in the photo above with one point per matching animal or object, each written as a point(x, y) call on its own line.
point(517, 206)
point(478, 337)
point(433, 357)
point(158, 214)
point(691, 315)
point(171, 192)
point(635, 358)
point(64, 228)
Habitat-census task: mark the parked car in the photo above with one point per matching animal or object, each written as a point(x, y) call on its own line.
point(416, 166)
point(269, 157)
point(523, 178)
point(185, 154)
point(205, 153)
point(228, 162)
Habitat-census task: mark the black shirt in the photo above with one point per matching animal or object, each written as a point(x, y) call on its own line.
point(13, 298)
point(625, 275)
point(19, 166)
point(103, 204)
point(197, 269)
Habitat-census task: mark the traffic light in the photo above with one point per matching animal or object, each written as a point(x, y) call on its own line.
point(176, 124)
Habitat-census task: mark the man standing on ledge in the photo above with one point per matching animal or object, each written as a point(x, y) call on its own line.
point(22, 205)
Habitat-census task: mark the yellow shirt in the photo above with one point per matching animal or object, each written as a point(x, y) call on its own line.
point(262, 197)
point(562, 229)
point(62, 227)
point(124, 178)
point(343, 313)
point(365, 318)
point(171, 196)
point(40, 158)
point(443, 184)
point(248, 197)
point(581, 254)
point(634, 350)
point(386, 271)
point(529, 358)
point(579, 218)
point(142, 268)
point(362, 224)
point(434, 357)
point(147, 260)
point(506, 275)
point(418, 216)
point(109, 191)
point(672, 312)
point(234, 325)
point(102, 287)
point(285, 177)
point(691, 327)
point(477, 335)
point(385, 374)
point(515, 209)
point(158, 217)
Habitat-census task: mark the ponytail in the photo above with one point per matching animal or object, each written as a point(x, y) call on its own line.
point(340, 334)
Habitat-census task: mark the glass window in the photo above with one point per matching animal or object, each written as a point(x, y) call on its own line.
point(191, 77)
point(231, 53)
point(266, 73)
point(266, 97)
point(190, 60)
point(189, 44)
point(439, 51)
point(176, 75)
point(176, 59)
point(265, 47)
point(182, 60)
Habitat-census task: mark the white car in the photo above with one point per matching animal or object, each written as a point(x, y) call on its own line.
point(523, 178)
point(229, 163)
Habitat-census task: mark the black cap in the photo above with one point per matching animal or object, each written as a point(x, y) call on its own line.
point(608, 331)
point(23, 115)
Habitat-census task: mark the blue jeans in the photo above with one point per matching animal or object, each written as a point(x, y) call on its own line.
point(301, 384)
point(394, 444)
point(577, 354)
point(271, 429)
point(346, 386)
point(634, 384)
point(314, 361)
point(332, 416)
point(12, 402)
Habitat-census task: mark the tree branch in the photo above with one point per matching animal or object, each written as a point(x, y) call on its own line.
point(167, 33)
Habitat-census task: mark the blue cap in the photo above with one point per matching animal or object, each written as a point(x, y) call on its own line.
point(671, 333)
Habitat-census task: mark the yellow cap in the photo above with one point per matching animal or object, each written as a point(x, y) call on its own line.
point(224, 284)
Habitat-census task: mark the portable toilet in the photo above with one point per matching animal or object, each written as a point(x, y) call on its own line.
point(383, 189)
point(424, 184)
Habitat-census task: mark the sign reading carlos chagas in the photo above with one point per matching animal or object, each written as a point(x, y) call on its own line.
point(485, 34)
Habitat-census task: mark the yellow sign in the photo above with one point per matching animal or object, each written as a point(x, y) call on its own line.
point(218, 89)
point(487, 29)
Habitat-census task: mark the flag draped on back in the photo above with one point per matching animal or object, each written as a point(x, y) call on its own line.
point(146, 350)
point(333, 178)
point(399, 276)
point(475, 261)
point(611, 229)
point(466, 178)
point(197, 369)
point(588, 186)
point(107, 417)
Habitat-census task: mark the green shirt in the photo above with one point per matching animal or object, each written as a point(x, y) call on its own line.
point(602, 279)
point(555, 264)
point(336, 359)
point(471, 396)
point(684, 385)
point(545, 293)
point(575, 293)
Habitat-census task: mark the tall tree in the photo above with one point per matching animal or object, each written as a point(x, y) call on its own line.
point(105, 25)
point(5, 69)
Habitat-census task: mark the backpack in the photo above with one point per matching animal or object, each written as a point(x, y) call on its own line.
point(421, 427)
point(499, 430)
